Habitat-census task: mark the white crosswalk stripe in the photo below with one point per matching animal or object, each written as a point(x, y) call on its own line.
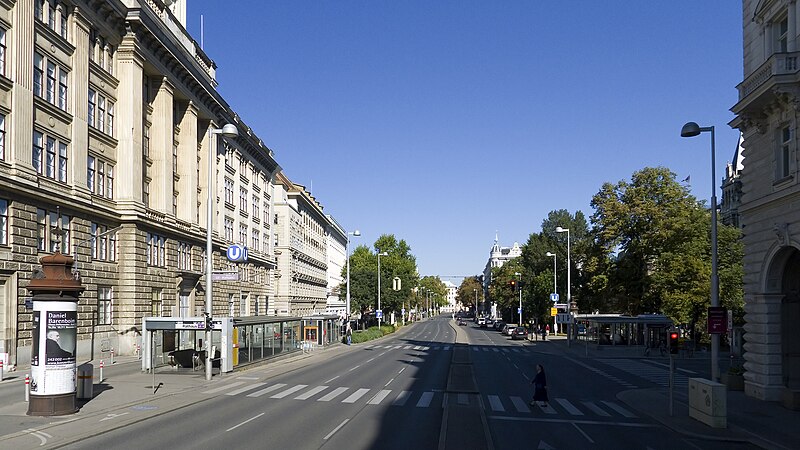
point(520, 405)
point(267, 390)
point(378, 398)
point(310, 393)
point(569, 407)
point(355, 396)
point(290, 391)
point(224, 388)
point(425, 400)
point(495, 403)
point(654, 374)
point(402, 398)
point(246, 388)
point(333, 394)
point(622, 411)
point(596, 409)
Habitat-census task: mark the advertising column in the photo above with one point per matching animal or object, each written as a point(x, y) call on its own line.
point(55, 291)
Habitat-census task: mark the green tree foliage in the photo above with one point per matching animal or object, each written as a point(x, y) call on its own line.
point(466, 294)
point(431, 289)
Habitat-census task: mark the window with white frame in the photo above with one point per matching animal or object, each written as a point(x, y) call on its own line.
point(51, 235)
point(156, 303)
point(243, 234)
point(782, 35)
point(184, 256)
point(228, 186)
point(2, 51)
point(100, 114)
point(37, 158)
point(156, 250)
point(100, 177)
point(228, 227)
point(53, 14)
point(104, 305)
point(783, 168)
point(49, 156)
point(243, 200)
point(2, 137)
point(3, 221)
point(266, 214)
point(53, 88)
point(104, 244)
point(256, 209)
point(256, 240)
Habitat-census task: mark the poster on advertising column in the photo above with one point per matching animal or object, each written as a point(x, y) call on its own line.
point(55, 341)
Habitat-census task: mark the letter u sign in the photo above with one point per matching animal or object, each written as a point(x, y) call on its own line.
point(237, 253)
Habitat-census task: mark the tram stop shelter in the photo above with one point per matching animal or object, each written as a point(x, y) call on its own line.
point(623, 330)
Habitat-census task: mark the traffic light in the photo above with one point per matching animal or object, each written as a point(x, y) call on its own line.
point(673, 342)
point(513, 284)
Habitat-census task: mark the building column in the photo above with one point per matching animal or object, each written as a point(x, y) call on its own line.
point(130, 72)
point(19, 135)
point(763, 366)
point(80, 100)
point(188, 165)
point(791, 13)
point(162, 134)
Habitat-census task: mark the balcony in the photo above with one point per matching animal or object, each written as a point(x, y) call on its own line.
point(756, 91)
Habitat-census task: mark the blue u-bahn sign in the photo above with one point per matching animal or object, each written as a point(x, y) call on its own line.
point(237, 253)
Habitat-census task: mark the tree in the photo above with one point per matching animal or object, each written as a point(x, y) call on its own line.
point(431, 289)
point(470, 288)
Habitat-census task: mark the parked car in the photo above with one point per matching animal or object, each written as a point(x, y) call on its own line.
point(462, 322)
point(509, 328)
point(482, 322)
point(519, 333)
point(499, 324)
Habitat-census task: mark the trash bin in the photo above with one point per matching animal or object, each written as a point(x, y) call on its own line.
point(85, 381)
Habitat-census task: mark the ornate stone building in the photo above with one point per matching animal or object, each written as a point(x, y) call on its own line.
point(105, 112)
point(767, 115)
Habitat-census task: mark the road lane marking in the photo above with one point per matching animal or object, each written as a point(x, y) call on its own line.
point(247, 378)
point(355, 396)
point(333, 394)
point(495, 403)
point(39, 434)
point(370, 360)
point(354, 368)
point(519, 403)
point(620, 409)
point(402, 398)
point(290, 391)
point(246, 388)
point(223, 388)
point(401, 370)
point(425, 400)
point(378, 398)
point(337, 376)
point(112, 416)
point(267, 390)
point(583, 433)
point(596, 409)
point(308, 394)
point(569, 407)
point(246, 421)
point(335, 429)
point(389, 382)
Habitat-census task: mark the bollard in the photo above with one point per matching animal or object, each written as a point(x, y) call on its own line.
point(112, 356)
point(27, 388)
point(138, 351)
point(1, 369)
point(101, 371)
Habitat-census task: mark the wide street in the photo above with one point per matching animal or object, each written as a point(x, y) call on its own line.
point(393, 393)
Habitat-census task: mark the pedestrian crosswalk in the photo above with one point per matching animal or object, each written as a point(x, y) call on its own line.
point(495, 403)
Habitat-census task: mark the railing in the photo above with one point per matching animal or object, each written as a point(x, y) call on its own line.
point(777, 64)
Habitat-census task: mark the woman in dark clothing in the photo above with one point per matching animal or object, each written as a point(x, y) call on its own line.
point(539, 386)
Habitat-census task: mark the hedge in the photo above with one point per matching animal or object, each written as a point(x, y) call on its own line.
point(372, 333)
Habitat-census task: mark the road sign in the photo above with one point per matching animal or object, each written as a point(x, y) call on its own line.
point(237, 253)
point(519, 310)
point(396, 283)
point(403, 311)
point(225, 276)
point(378, 314)
point(563, 318)
point(553, 311)
point(716, 319)
point(554, 297)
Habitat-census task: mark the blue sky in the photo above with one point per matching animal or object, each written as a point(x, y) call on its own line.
point(443, 122)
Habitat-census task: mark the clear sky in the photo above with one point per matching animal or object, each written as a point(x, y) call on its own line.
point(443, 122)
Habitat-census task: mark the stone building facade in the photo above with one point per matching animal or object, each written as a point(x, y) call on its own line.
point(106, 109)
point(336, 258)
point(767, 115)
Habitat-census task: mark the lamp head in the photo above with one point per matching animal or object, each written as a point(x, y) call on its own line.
point(561, 230)
point(691, 129)
point(383, 254)
point(356, 233)
point(550, 254)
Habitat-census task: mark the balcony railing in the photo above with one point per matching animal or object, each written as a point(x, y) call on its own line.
point(777, 64)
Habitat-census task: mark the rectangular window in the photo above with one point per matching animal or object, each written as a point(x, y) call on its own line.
point(243, 200)
point(63, 27)
point(92, 106)
point(146, 141)
point(38, 151)
point(184, 256)
point(62, 89)
point(51, 15)
point(146, 193)
point(110, 114)
point(41, 229)
point(784, 157)
point(38, 74)
point(156, 303)
point(101, 112)
point(256, 209)
point(110, 182)
point(90, 173)
point(3, 221)
point(256, 240)
point(783, 34)
point(156, 250)
point(2, 51)
point(2, 137)
point(101, 177)
point(51, 83)
point(228, 191)
point(104, 304)
point(62, 162)
point(51, 225)
point(104, 243)
point(228, 229)
point(243, 234)
point(50, 161)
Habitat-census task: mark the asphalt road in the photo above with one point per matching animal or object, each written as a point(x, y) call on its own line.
point(392, 394)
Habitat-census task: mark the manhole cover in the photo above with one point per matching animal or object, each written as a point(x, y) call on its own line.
point(144, 407)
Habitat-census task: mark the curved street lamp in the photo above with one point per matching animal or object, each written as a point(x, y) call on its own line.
point(379, 285)
point(692, 129)
point(569, 297)
point(229, 131)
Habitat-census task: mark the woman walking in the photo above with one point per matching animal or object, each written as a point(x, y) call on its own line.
point(539, 386)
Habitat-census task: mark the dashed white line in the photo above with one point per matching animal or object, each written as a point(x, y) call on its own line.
point(335, 429)
point(246, 421)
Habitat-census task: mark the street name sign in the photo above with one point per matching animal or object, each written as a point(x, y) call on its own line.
point(225, 276)
point(563, 318)
point(378, 314)
point(717, 318)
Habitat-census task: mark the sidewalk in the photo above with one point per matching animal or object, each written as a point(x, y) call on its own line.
point(764, 424)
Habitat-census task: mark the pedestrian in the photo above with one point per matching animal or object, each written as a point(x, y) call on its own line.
point(544, 333)
point(349, 334)
point(539, 386)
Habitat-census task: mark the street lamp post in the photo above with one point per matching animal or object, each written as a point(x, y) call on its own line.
point(476, 297)
point(519, 287)
point(379, 285)
point(555, 284)
point(691, 129)
point(347, 305)
point(228, 131)
point(569, 297)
